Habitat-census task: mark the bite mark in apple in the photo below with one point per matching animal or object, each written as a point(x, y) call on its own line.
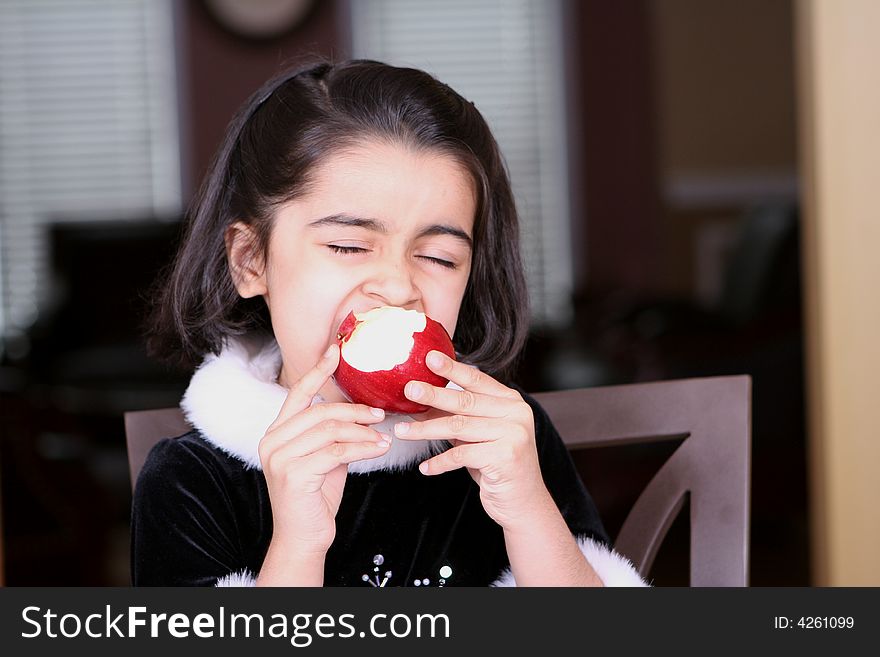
point(382, 350)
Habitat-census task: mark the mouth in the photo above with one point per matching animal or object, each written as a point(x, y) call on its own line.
point(338, 334)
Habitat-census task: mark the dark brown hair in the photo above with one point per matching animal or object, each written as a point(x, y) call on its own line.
point(272, 146)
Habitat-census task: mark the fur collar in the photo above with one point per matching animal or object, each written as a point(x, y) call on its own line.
point(233, 398)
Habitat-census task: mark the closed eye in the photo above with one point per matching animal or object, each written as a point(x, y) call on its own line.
point(439, 261)
point(346, 249)
point(351, 250)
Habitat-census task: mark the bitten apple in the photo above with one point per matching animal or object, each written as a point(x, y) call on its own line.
point(382, 350)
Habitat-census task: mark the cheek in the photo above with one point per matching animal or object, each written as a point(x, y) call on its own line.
point(304, 305)
point(443, 302)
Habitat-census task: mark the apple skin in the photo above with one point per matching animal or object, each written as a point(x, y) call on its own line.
point(384, 388)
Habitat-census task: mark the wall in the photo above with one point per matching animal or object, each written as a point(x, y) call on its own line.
point(615, 198)
point(220, 70)
point(840, 132)
point(725, 125)
point(682, 114)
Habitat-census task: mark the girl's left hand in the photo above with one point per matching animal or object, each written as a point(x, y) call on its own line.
point(492, 432)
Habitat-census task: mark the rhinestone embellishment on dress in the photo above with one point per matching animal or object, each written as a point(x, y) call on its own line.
point(378, 560)
point(378, 581)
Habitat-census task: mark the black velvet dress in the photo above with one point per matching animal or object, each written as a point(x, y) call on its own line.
point(200, 514)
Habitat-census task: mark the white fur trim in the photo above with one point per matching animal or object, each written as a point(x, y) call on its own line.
point(612, 568)
point(505, 579)
point(234, 397)
point(243, 578)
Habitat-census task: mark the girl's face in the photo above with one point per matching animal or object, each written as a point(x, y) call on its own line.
point(382, 225)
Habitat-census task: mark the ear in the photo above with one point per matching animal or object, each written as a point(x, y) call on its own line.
point(245, 262)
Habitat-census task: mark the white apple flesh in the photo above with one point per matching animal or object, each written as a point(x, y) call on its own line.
point(382, 350)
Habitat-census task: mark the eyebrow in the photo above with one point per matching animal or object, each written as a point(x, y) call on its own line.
point(380, 227)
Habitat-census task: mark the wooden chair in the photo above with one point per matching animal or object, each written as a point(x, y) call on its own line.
point(711, 466)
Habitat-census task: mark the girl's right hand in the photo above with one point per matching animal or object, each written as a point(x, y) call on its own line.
point(305, 455)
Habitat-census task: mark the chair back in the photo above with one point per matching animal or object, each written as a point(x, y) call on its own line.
point(711, 466)
point(143, 429)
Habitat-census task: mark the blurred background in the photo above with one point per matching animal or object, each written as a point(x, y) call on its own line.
point(665, 155)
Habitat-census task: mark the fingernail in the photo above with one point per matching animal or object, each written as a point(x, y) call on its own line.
point(401, 428)
point(329, 352)
point(423, 468)
point(413, 390)
point(435, 360)
point(385, 441)
point(378, 412)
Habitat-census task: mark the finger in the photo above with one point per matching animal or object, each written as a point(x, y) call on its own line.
point(306, 420)
point(301, 393)
point(327, 433)
point(455, 427)
point(469, 455)
point(463, 402)
point(468, 376)
point(332, 456)
point(341, 411)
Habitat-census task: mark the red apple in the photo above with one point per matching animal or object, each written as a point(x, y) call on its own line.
point(383, 349)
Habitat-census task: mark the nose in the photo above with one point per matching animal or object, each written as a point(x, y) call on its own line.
point(392, 283)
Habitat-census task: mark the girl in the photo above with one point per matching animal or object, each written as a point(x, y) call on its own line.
point(338, 188)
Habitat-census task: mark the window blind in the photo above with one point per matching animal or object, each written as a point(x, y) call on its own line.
point(507, 57)
point(88, 129)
